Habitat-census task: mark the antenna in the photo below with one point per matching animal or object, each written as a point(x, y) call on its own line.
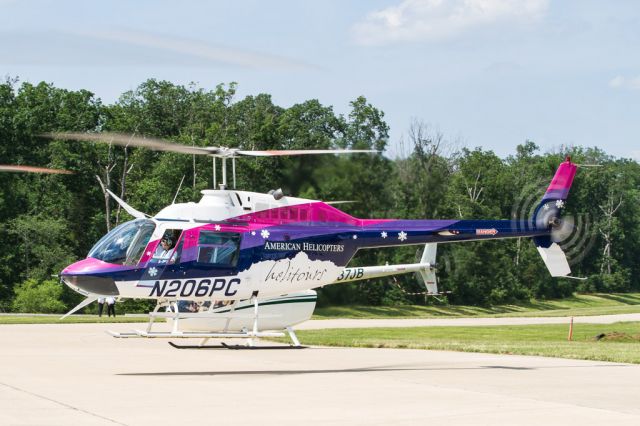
point(179, 186)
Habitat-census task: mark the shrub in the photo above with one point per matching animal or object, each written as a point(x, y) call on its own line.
point(618, 281)
point(39, 297)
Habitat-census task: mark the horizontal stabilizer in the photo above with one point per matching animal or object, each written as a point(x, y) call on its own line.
point(555, 259)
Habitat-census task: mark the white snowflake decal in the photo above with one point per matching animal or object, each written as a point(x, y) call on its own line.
point(217, 227)
point(355, 237)
point(153, 271)
point(559, 204)
point(546, 206)
point(402, 235)
point(383, 234)
point(253, 232)
point(148, 253)
point(264, 234)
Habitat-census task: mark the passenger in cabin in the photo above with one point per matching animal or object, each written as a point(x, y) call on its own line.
point(190, 306)
point(194, 307)
point(220, 303)
point(183, 305)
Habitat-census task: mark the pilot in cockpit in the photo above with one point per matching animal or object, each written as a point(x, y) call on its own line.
point(163, 252)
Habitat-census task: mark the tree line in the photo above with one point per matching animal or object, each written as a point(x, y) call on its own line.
point(50, 221)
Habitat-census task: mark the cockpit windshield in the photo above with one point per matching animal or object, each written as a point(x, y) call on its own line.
point(124, 244)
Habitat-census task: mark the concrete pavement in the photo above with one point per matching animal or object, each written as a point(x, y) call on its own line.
point(76, 374)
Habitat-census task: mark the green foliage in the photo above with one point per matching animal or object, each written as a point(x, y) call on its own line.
point(39, 296)
point(50, 221)
point(617, 281)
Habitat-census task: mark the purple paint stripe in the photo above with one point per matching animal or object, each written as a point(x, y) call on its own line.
point(279, 233)
point(556, 194)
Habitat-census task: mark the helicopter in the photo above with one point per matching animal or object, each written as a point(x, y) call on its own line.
point(236, 249)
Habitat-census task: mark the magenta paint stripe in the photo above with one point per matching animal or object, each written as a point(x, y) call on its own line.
point(561, 183)
point(91, 265)
point(309, 212)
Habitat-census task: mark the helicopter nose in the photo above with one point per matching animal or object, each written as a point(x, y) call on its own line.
point(92, 284)
point(84, 275)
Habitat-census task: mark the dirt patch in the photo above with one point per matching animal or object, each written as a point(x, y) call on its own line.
point(618, 337)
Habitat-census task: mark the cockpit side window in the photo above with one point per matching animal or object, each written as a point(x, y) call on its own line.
point(170, 247)
point(218, 248)
point(139, 243)
point(175, 258)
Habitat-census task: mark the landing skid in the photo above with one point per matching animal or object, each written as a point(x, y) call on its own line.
point(250, 335)
point(235, 347)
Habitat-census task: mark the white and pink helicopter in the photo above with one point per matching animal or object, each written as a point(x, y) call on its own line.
point(241, 264)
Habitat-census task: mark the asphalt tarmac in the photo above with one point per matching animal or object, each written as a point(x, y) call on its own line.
point(76, 374)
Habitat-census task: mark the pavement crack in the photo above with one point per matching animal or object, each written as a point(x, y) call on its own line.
point(63, 404)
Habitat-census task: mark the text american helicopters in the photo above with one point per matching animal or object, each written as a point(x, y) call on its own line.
point(246, 247)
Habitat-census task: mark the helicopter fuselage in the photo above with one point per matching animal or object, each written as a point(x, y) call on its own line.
point(237, 244)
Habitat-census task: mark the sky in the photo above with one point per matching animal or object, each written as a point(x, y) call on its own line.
point(484, 73)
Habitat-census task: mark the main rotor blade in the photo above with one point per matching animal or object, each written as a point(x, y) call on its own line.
point(130, 140)
point(163, 145)
point(31, 169)
point(277, 153)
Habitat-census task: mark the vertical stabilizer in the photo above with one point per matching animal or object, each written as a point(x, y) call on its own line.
point(429, 275)
point(548, 216)
point(553, 257)
point(554, 198)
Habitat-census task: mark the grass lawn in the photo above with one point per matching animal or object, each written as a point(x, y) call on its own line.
point(621, 343)
point(72, 319)
point(578, 305)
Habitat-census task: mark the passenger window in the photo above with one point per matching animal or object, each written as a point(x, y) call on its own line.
point(218, 248)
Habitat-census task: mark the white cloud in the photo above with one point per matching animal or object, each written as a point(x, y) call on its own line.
point(629, 83)
point(433, 20)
